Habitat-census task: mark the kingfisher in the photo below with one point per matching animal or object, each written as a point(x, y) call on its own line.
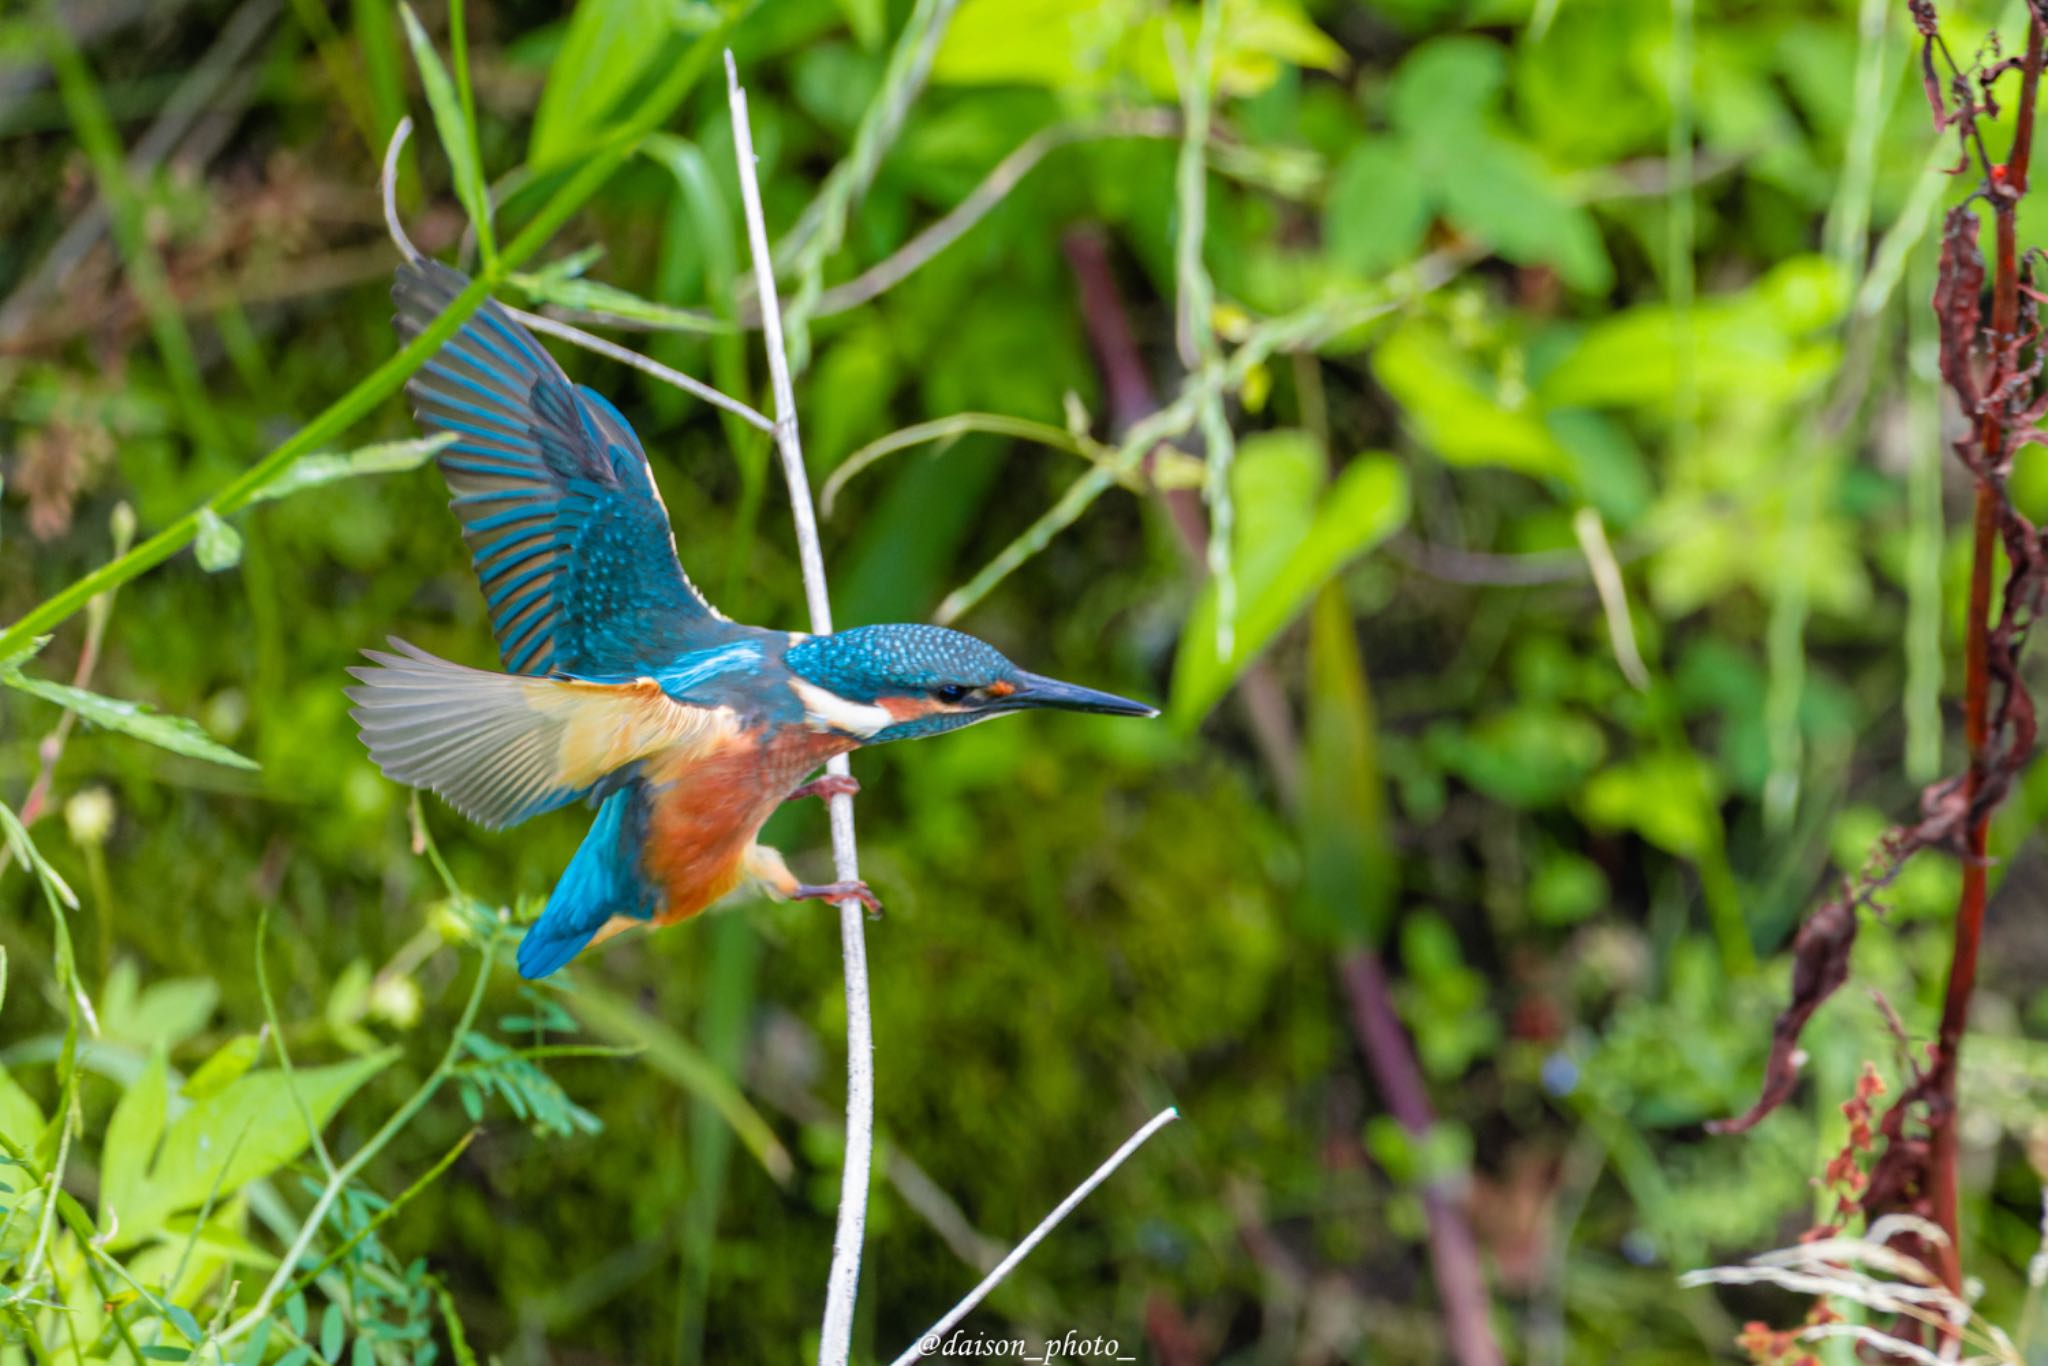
point(623, 687)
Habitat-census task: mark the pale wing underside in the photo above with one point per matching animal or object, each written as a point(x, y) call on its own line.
point(502, 747)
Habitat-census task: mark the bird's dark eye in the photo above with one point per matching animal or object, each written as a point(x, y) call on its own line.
point(952, 692)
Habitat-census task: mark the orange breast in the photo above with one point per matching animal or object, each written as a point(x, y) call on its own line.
point(707, 809)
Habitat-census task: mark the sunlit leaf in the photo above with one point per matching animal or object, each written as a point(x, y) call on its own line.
point(1288, 546)
point(132, 1133)
point(217, 545)
point(1454, 410)
point(1377, 209)
point(228, 1062)
point(458, 139)
point(608, 47)
point(324, 467)
point(246, 1130)
point(173, 733)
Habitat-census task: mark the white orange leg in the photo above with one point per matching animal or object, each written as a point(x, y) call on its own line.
point(766, 866)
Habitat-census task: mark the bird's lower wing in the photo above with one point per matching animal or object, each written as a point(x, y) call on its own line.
point(502, 747)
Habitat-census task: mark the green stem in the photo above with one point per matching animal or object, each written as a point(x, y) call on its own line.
point(317, 1216)
point(386, 378)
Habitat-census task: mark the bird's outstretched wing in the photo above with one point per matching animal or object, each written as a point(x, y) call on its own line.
point(565, 527)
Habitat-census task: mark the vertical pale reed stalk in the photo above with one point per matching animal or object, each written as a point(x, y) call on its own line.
point(842, 1285)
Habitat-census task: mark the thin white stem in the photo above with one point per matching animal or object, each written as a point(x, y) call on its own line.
point(842, 1285)
point(589, 342)
point(1621, 631)
point(539, 323)
point(389, 185)
point(929, 1341)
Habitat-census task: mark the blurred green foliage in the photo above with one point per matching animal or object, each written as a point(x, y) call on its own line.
point(1490, 273)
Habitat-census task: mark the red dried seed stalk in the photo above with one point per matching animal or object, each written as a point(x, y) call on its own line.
point(1993, 368)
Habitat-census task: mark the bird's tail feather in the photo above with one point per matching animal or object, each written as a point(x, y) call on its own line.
point(601, 883)
point(490, 743)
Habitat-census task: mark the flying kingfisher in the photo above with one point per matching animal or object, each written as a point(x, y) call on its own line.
point(624, 687)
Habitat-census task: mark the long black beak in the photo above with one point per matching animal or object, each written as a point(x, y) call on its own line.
point(1033, 690)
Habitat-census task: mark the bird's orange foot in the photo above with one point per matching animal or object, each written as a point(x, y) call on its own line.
point(828, 786)
point(838, 891)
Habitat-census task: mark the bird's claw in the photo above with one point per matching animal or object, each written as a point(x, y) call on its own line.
point(828, 786)
point(838, 891)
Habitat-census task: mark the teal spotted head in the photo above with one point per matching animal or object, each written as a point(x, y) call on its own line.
point(903, 682)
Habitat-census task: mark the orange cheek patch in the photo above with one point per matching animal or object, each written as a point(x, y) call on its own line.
point(905, 708)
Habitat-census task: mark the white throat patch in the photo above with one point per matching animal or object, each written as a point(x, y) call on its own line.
point(826, 710)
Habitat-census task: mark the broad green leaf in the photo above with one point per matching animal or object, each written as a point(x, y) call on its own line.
point(1377, 210)
point(1282, 556)
point(217, 546)
point(1455, 412)
point(868, 19)
point(21, 1119)
point(1350, 876)
point(132, 1133)
point(324, 467)
point(1499, 192)
point(166, 1012)
point(245, 1131)
point(1670, 799)
point(1089, 45)
point(1527, 757)
point(228, 1062)
point(1758, 345)
point(458, 139)
point(609, 45)
point(1446, 84)
point(173, 733)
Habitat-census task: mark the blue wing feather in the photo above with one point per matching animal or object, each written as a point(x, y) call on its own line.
point(566, 529)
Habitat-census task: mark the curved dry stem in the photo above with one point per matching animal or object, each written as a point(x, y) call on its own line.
point(951, 428)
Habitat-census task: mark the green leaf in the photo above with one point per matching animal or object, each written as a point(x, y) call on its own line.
point(173, 733)
point(246, 1131)
point(598, 297)
point(217, 545)
point(1528, 756)
point(868, 19)
point(1377, 210)
point(163, 1353)
point(1447, 84)
point(132, 1133)
point(1499, 192)
point(1349, 872)
point(333, 1329)
point(1288, 544)
point(324, 467)
point(1079, 46)
point(1455, 412)
point(458, 139)
point(1765, 344)
point(608, 48)
point(228, 1062)
point(21, 1119)
point(1669, 799)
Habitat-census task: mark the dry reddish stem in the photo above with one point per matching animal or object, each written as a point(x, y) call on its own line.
point(2009, 185)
